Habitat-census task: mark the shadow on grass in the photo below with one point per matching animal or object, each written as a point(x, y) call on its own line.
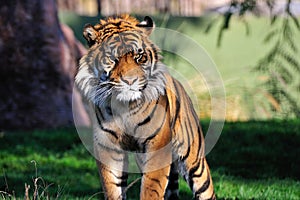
point(255, 150)
point(257, 160)
point(250, 158)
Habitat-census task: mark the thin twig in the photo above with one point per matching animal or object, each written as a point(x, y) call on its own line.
point(131, 184)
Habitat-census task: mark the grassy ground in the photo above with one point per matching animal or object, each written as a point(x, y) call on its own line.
point(252, 160)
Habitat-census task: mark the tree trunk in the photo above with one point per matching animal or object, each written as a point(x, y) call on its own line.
point(38, 63)
point(99, 7)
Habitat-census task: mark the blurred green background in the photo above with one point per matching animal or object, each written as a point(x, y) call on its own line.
point(243, 47)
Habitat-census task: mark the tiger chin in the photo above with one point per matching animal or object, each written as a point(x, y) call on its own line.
point(137, 107)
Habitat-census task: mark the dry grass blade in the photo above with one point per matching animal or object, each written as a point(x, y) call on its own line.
point(95, 195)
point(131, 184)
point(27, 188)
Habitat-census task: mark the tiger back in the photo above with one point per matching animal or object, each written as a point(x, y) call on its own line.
point(137, 107)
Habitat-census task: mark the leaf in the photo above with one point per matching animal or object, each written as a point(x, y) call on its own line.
point(274, 19)
point(273, 101)
point(295, 20)
point(285, 74)
point(263, 64)
point(287, 31)
point(210, 25)
point(272, 53)
point(247, 27)
point(292, 102)
point(291, 43)
point(292, 61)
point(271, 35)
point(220, 35)
point(227, 17)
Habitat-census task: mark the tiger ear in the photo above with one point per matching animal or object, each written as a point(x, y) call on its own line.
point(147, 24)
point(90, 34)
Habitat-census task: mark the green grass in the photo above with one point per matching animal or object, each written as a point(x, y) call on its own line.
point(252, 160)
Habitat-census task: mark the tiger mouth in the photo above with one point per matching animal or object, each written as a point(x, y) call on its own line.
point(129, 95)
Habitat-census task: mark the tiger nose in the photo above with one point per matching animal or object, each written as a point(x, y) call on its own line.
point(129, 80)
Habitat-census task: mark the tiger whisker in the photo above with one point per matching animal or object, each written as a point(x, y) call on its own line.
point(102, 95)
point(99, 93)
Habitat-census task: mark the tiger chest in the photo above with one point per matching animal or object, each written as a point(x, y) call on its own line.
point(134, 129)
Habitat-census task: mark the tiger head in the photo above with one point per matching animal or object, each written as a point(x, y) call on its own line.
point(122, 62)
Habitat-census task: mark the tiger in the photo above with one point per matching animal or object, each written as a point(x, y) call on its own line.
point(136, 106)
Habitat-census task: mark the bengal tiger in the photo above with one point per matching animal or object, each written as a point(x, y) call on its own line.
point(137, 106)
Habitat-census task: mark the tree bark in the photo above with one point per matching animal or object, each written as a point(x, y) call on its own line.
point(38, 63)
point(99, 7)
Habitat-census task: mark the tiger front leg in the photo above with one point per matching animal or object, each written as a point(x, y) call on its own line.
point(113, 182)
point(156, 169)
point(154, 184)
point(113, 168)
point(155, 175)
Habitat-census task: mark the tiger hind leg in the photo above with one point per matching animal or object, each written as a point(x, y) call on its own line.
point(173, 184)
point(199, 179)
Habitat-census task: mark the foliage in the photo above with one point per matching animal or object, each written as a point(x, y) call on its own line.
point(280, 64)
point(252, 160)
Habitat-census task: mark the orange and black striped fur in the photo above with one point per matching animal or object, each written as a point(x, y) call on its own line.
point(137, 107)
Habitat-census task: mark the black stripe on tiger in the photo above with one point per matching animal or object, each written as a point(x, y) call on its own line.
point(173, 184)
point(177, 104)
point(200, 148)
point(154, 191)
point(186, 141)
point(201, 172)
point(123, 183)
point(146, 121)
point(148, 118)
point(213, 197)
point(193, 170)
point(109, 148)
point(156, 181)
point(204, 187)
point(157, 130)
point(98, 115)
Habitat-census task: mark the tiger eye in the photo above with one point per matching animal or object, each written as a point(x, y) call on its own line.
point(104, 76)
point(140, 56)
point(140, 50)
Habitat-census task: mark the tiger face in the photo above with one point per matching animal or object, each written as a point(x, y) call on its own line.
point(122, 63)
